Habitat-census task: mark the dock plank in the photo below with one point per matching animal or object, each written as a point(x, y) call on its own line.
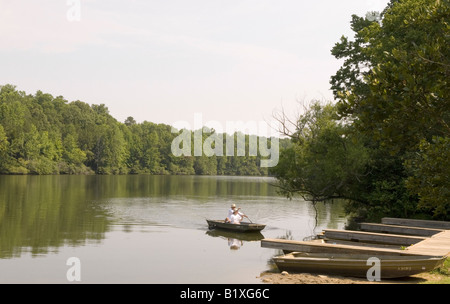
point(438, 244)
point(416, 223)
point(396, 229)
point(372, 237)
point(319, 246)
point(363, 244)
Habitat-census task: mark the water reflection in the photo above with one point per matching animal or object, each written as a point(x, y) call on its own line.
point(235, 244)
point(138, 223)
point(235, 240)
point(38, 213)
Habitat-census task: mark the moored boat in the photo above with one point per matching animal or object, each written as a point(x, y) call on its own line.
point(357, 265)
point(242, 227)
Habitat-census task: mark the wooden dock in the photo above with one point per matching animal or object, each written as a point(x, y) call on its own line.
point(438, 245)
point(392, 237)
point(321, 246)
point(416, 223)
point(407, 230)
point(372, 237)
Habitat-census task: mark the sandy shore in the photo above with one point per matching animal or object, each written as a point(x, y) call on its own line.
point(307, 278)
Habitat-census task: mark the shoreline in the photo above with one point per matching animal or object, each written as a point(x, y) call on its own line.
point(309, 278)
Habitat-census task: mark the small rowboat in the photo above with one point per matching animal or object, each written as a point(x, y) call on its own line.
point(242, 227)
point(357, 265)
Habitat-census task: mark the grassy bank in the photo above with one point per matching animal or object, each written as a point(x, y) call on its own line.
point(440, 275)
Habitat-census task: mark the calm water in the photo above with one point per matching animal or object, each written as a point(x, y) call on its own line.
point(145, 229)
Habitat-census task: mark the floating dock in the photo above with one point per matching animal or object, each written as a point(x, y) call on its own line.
point(372, 237)
point(394, 236)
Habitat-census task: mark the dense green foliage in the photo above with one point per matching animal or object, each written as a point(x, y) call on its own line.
point(324, 158)
point(42, 134)
point(392, 109)
point(398, 98)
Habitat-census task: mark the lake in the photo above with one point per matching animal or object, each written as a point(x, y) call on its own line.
point(146, 229)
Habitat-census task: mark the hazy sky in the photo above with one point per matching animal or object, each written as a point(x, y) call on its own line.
point(164, 60)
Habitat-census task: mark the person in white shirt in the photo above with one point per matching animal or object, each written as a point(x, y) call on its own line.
point(237, 217)
point(231, 211)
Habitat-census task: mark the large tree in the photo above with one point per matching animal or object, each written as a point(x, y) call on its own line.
point(394, 88)
point(325, 161)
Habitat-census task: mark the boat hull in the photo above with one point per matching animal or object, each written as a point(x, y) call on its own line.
point(242, 227)
point(357, 266)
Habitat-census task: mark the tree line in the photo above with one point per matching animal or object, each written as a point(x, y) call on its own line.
point(384, 145)
point(42, 134)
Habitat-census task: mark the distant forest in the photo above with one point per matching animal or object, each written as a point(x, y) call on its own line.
point(42, 134)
